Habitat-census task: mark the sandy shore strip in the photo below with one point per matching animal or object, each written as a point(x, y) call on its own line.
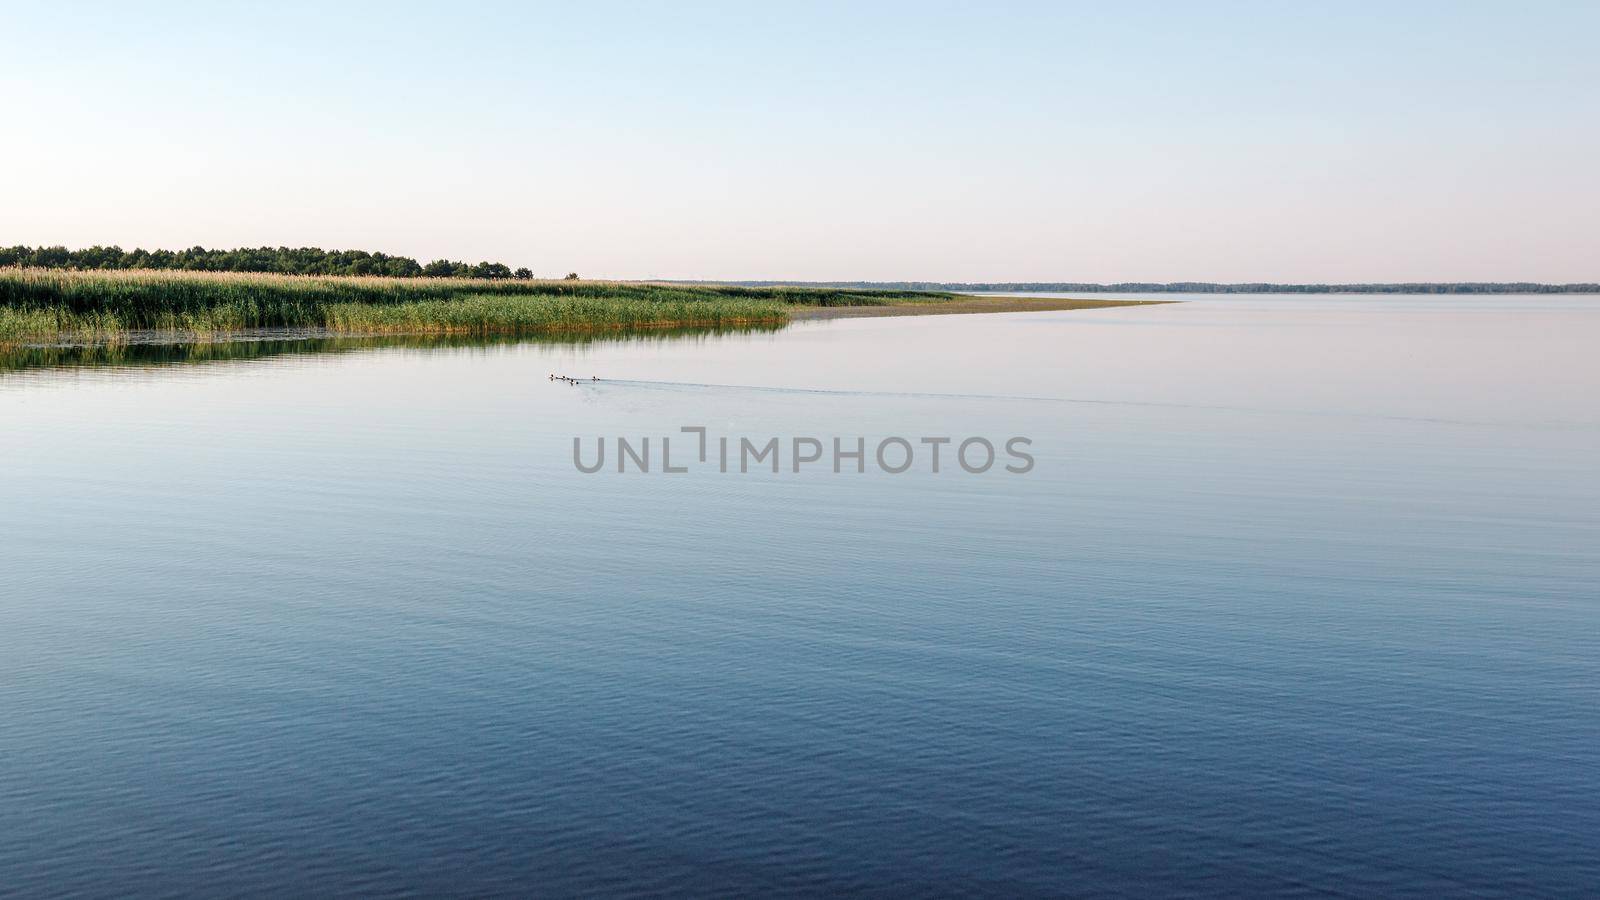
point(963, 307)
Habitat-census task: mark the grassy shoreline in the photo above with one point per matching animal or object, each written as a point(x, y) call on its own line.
point(44, 307)
point(54, 305)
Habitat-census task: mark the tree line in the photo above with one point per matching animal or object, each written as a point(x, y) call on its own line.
point(282, 260)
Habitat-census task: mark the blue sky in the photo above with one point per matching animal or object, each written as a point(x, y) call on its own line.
point(1230, 141)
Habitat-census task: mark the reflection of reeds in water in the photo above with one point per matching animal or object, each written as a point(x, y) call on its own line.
point(153, 355)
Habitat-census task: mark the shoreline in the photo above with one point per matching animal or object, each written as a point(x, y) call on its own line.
point(796, 313)
point(969, 306)
point(55, 306)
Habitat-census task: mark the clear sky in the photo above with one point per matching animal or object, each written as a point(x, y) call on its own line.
point(985, 141)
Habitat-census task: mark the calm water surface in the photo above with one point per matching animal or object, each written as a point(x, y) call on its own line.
point(1300, 598)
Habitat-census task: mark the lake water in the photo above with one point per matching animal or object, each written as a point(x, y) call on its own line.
point(1299, 597)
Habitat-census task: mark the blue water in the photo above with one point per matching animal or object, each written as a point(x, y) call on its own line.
point(1300, 598)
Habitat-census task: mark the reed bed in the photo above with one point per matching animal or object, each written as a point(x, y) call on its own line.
point(490, 314)
point(45, 304)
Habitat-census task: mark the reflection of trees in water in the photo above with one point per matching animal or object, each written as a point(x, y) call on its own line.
point(148, 355)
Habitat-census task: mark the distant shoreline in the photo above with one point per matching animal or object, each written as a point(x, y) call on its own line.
point(1179, 287)
point(962, 307)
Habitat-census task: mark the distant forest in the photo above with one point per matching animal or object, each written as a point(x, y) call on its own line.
point(1196, 287)
point(283, 260)
point(315, 261)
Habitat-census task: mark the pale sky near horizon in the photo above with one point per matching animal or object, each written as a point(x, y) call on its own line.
point(883, 141)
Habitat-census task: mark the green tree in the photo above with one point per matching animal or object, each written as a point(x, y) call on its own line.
point(490, 270)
